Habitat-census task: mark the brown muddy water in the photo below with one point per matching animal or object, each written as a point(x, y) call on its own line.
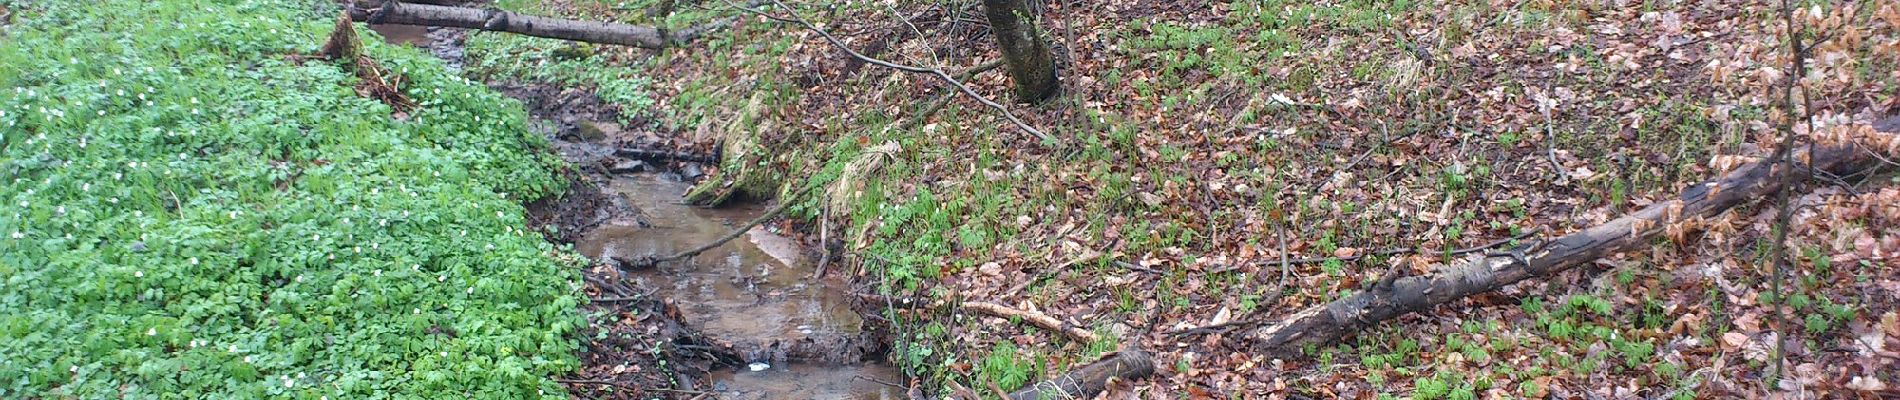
point(757, 288)
point(412, 35)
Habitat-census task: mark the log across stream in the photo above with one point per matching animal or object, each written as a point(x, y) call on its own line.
point(755, 293)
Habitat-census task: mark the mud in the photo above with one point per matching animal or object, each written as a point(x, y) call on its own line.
point(754, 295)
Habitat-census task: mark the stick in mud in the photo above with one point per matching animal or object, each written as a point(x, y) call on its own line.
point(647, 262)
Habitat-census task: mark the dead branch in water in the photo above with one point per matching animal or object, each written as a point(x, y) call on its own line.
point(645, 262)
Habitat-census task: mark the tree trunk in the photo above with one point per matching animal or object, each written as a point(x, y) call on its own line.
point(1031, 65)
point(1327, 323)
point(401, 13)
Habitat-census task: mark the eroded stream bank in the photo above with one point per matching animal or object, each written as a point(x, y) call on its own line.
point(745, 320)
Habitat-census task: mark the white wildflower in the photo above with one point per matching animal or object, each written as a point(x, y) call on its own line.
point(138, 274)
point(441, 278)
point(151, 332)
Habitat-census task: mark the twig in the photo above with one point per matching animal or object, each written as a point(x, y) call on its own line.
point(943, 100)
point(644, 262)
point(1784, 215)
point(1550, 140)
point(1000, 109)
point(879, 381)
point(1286, 269)
point(824, 244)
point(1040, 320)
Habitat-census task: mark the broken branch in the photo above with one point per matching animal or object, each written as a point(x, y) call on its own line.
point(1333, 321)
point(1040, 320)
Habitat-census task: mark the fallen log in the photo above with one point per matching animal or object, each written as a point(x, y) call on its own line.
point(1091, 379)
point(1330, 322)
point(489, 19)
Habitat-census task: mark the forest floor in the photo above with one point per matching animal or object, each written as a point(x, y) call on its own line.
point(1204, 142)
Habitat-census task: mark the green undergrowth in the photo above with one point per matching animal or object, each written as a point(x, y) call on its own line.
point(194, 211)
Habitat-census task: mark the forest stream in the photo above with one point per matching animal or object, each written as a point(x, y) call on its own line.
point(755, 288)
point(757, 293)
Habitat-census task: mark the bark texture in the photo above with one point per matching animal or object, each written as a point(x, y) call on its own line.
point(1091, 379)
point(1330, 322)
point(401, 13)
point(1031, 65)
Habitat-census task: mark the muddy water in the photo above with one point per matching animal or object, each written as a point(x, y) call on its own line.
point(757, 287)
point(413, 35)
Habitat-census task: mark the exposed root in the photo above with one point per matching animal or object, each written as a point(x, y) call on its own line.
point(372, 80)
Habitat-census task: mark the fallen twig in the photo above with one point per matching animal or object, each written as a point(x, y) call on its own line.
point(644, 262)
point(1000, 109)
point(1040, 320)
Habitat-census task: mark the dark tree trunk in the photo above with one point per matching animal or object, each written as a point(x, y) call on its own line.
point(1031, 65)
point(1330, 322)
point(402, 13)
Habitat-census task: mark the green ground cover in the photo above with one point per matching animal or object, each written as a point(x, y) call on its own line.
point(192, 211)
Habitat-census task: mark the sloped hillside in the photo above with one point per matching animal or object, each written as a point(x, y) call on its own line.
point(1238, 161)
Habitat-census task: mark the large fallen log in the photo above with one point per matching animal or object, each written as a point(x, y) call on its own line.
point(490, 19)
point(1330, 322)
